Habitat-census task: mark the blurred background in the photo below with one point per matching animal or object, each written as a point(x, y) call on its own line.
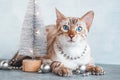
point(104, 36)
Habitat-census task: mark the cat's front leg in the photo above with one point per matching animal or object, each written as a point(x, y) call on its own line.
point(95, 70)
point(59, 69)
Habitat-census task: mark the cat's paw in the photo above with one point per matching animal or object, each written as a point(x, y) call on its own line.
point(96, 70)
point(59, 69)
point(64, 71)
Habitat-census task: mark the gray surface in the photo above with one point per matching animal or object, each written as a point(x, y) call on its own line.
point(112, 73)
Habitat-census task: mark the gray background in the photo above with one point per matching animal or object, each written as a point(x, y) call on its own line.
point(104, 36)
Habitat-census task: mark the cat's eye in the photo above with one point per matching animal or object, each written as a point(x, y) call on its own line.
point(65, 27)
point(79, 29)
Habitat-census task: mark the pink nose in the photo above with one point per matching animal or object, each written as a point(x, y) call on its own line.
point(71, 33)
point(71, 36)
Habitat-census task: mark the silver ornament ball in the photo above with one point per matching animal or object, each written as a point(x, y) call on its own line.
point(45, 68)
point(77, 71)
point(82, 69)
point(4, 64)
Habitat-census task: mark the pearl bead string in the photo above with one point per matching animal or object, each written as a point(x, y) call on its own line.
point(74, 58)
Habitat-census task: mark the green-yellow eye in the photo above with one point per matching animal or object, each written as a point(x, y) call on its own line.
point(79, 29)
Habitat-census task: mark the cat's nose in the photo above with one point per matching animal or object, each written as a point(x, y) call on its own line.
point(71, 36)
point(71, 33)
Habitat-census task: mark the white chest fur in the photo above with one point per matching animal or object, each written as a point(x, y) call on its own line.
point(73, 51)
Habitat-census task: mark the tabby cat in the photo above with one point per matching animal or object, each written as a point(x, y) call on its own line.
point(67, 45)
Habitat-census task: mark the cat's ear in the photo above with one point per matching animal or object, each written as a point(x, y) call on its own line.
point(59, 16)
point(88, 18)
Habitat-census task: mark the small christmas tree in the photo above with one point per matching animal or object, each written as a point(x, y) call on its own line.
point(33, 36)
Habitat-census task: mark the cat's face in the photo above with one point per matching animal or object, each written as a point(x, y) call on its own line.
point(73, 29)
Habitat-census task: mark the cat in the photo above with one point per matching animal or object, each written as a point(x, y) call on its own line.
point(67, 44)
point(67, 47)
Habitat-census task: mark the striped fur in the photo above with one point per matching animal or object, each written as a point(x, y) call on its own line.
point(71, 42)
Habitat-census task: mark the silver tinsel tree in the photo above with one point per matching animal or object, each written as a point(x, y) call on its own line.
point(33, 36)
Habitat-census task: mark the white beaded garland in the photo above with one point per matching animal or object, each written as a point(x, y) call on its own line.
point(86, 74)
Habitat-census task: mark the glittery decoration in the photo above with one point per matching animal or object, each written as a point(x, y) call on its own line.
point(33, 35)
point(45, 68)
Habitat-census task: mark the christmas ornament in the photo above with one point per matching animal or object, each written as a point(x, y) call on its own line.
point(45, 68)
point(81, 70)
point(77, 71)
point(33, 36)
point(4, 64)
